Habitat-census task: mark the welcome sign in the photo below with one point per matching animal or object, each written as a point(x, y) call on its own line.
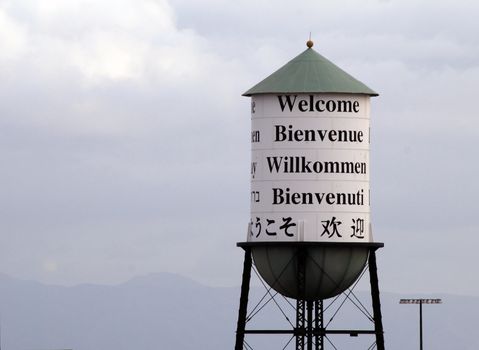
point(310, 168)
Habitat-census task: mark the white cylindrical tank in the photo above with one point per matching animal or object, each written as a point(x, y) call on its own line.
point(310, 168)
point(310, 138)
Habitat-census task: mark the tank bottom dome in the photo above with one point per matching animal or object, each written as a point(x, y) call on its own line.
point(329, 269)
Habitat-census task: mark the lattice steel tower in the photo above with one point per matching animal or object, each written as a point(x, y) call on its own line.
point(309, 236)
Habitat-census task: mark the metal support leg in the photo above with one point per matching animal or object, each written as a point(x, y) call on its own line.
point(378, 323)
point(310, 305)
point(301, 303)
point(318, 325)
point(300, 329)
point(243, 307)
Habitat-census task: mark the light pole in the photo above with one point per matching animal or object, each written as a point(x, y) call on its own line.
point(420, 302)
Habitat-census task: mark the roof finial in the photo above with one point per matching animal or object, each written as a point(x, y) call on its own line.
point(309, 43)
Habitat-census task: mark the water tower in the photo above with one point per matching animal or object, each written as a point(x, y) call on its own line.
point(309, 234)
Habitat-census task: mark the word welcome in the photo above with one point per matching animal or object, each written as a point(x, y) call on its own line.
point(313, 104)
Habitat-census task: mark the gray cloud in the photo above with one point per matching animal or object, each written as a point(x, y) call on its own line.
point(124, 137)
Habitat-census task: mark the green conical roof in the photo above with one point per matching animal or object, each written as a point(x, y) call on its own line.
point(309, 72)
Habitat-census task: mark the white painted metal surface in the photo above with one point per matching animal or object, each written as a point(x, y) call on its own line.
point(310, 168)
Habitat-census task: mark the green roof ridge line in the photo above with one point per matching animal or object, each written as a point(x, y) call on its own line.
point(310, 72)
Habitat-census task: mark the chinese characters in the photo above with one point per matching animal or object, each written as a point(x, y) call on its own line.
point(285, 226)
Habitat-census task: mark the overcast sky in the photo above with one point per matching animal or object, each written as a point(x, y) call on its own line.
point(124, 139)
